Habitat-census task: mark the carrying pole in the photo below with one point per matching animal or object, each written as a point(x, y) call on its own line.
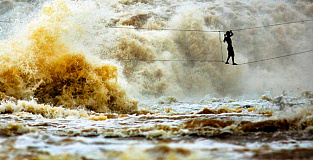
point(219, 33)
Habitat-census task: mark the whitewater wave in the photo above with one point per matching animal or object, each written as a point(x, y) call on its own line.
point(41, 64)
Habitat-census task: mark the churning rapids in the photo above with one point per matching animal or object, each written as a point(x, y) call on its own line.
point(67, 91)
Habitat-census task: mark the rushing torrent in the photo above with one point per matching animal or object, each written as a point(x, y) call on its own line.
point(78, 80)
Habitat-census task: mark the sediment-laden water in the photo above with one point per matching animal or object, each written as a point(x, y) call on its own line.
point(68, 89)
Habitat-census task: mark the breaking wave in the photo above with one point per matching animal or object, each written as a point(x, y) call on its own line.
point(42, 64)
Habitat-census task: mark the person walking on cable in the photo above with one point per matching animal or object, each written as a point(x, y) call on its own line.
point(230, 48)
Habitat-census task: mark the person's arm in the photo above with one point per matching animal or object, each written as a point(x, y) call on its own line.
point(224, 38)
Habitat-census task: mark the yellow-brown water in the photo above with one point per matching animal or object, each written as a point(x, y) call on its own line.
point(67, 93)
point(250, 129)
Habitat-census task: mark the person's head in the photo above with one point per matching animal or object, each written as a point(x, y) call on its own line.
point(228, 33)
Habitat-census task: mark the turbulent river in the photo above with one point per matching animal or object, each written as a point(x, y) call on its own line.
point(144, 79)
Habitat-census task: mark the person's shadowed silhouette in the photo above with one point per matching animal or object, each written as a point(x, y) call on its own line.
point(230, 46)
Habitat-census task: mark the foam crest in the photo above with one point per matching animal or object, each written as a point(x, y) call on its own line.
point(67, 34)
point(41, 109)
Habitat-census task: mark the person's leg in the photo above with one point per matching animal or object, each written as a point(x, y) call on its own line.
point(227, 59)
point(233, 58)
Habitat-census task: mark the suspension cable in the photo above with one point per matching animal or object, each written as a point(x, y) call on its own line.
point(218, 61)
point(165, 29)
point(196, 30)
point(272, 25)
point(220, 38)
point(172, 60)
point(219, 31)
point(267, 59)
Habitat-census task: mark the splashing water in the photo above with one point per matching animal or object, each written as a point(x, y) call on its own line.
point(68, 91)
point(41, 65)
point(81, 26)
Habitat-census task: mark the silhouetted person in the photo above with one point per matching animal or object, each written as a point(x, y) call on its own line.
point(230, 46)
